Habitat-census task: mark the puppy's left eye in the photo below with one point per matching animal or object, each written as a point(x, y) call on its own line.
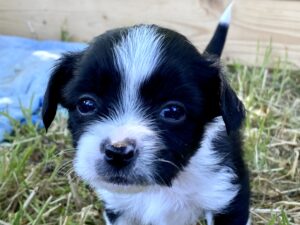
point(86, 106)
point(173, 112)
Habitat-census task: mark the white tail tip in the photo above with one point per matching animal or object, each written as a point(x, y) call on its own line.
point(226, 16)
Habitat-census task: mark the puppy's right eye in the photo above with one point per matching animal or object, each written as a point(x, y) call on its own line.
point(86, 106)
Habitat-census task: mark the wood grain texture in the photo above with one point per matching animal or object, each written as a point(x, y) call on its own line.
point(254, 21)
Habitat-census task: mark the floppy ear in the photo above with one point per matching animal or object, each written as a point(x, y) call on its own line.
point(232, 109)
point(63, 72)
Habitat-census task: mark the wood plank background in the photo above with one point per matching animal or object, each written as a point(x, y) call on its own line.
point(255, 22)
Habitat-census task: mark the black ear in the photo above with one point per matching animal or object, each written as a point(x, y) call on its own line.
point(232, 109)
point(62, 73)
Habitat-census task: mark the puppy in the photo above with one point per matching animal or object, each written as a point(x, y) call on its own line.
point(156, 127)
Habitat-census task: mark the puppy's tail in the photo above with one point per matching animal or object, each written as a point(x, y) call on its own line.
point(216, 44)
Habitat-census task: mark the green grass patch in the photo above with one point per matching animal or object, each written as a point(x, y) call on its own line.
point(37, 183)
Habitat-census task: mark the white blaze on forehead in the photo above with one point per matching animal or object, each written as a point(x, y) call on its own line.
point(138, 53)
point(136, 57)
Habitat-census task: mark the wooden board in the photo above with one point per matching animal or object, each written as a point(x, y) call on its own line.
point(254, 21)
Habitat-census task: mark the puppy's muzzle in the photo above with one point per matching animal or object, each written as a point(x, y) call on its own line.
point(119, 154)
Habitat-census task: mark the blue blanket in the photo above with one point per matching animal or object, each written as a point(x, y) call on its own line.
point(25, 66)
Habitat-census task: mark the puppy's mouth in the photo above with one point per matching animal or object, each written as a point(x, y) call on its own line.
point(119, 180)
point(128, 180)
point(121, 176)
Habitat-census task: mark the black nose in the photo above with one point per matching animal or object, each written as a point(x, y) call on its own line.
point(121, 153)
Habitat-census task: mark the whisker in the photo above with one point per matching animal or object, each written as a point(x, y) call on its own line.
point(68, 172)
point(167, 161)
point(63, 151)
point(66, 164)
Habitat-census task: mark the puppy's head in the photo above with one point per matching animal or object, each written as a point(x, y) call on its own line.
point(138, 101)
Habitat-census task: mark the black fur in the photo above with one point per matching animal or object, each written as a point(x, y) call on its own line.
point(61, 75)
point(216, 45)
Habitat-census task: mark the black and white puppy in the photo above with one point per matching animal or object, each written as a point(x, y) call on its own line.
point(155, 126)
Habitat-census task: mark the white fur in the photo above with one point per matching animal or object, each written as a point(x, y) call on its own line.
point(204, 187)
point(226, 16)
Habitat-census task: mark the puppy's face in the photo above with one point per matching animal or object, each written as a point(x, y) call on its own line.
point(138, 101)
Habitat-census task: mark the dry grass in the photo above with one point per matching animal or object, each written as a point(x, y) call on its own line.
point(37, 185)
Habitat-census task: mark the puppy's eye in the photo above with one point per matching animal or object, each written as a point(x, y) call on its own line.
point(173, 112)
point(86, 106)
